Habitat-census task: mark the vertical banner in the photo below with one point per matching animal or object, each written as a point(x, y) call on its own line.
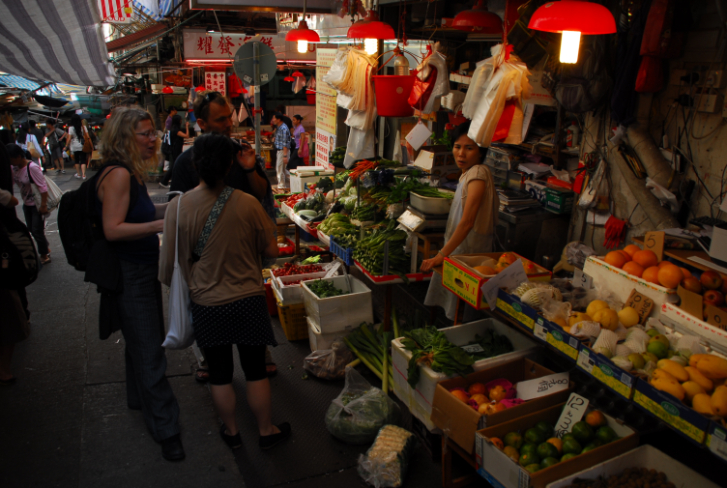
point(325, 109)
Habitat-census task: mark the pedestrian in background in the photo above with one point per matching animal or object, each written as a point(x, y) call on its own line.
point(40, 137)
point(298, 132)
point(282, 144)
point(176, 143)
point(56, 139)
point(30, 144)
point(130, 223)
point(75, 134)
point(26, 173)
point(223, 236)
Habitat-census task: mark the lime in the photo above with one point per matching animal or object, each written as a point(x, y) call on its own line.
point(535, 436)
point(545, 428)
point(658, 349)
point(546, 450)
point(571, 446)
point(605, 434)
point(532, 468)
point(528, 449)
point(529, 458)
point(548, 462)
point(568, 456)
point(568, 436)
point(582, 432)
point(589, 447)
point(513, 439)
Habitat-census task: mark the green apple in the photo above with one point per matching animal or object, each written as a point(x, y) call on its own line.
point(661, 338)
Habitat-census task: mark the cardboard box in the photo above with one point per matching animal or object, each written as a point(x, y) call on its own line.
point(460, 421)
point(497, 468)
point(559, 200)
point(683, 419)
point(717, 440)
point(436, 160)
point(694, 325)
point(459, 276)
point(601, 368)
point(536, 190)
point(642, 457)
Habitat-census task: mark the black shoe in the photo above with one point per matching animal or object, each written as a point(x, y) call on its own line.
point(172, 449)
point(270, 441)
point(233, 441)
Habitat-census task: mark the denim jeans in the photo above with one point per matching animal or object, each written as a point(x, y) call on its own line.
point(36, 225)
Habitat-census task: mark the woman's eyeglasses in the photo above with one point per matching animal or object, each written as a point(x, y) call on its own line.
point(150, 134)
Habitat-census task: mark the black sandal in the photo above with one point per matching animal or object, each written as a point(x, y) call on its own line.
point(269, 441)
point(202, 375)
point(233, 441)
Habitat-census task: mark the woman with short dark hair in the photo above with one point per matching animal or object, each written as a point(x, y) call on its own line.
point(223, 236)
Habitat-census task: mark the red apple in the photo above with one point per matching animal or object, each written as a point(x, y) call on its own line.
point(724, 285)
point(711, 280)
point(692, 284)
point(714, 298)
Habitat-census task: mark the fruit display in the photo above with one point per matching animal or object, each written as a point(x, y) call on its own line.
point(488, 399)
point(538, 447)
point(631, 477)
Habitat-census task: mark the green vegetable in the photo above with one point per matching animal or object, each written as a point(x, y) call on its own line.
point(325, 184)
point(493, 344)
point(312, 260)
point(431, 347)
point(325, 289)
point(364, 414)
point(369, 251)
point(369, 346)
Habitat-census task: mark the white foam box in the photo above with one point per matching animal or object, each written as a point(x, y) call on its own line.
point(334, 314)
point(319, 340)
point(292, 294)
point(306, 176)
point(642, 457)
point(620, 283)
point(693, 325)
point(420, 400)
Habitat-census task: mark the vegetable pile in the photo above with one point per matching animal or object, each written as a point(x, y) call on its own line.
point(431, 347)
point(325, 289)
point(289, 269)
point(369, 251)
point(369, 346)
point(493, 344)
point(337, 156)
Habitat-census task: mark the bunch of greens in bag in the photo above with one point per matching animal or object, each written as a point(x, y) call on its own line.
point(430, 347)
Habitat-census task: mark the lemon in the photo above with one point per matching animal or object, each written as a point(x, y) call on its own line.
point(595, 306)
point(628, 317)
point(607, 318)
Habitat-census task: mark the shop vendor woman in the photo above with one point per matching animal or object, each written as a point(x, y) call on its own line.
point(472, 217)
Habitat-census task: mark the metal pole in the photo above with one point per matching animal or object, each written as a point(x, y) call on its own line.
point(256, 81)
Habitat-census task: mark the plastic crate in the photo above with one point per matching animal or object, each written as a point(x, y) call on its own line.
point(292, 319)
point(345, 254)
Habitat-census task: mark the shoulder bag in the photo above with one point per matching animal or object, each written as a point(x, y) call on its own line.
point(87, 143)
point(30, 143)
point(181, 333)
point(54, 193)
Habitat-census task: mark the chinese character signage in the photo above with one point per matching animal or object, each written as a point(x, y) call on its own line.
point(325, 109)
point(216, 81)
point(201, 45)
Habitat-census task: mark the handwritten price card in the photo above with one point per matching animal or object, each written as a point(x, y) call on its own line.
point(538, 387)
point(573, 411)
point(654, 241)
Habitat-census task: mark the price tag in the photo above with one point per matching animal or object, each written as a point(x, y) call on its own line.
point(718, 446)
point(642, 304)
point(473, 348)
point(573, 412)
point(582, 280)
point(264, 77)
point(690, 302)
point(511, 277)
point(716, 317)
point(540, 333)
point(584, 361)
point(333, 270)
point(527, 390)
point(654, 241)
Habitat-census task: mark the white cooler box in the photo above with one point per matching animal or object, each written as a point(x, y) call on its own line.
point(334, 314)
point(306, 175)
point(419, 401)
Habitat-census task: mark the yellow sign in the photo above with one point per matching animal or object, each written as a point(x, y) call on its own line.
point(462, 284)
point(675, 421)
point(325, 102)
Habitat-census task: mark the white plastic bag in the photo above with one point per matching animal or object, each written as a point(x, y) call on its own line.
point(665, 196)
point(181, 334)
point(338, 69)
point(360, 146)
point(299, 84)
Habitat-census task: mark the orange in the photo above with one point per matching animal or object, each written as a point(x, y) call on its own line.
point(646, 258)
point(479, 398)
point(476, 388)
point(625, 254)
point(686, 272)
point(506, 259)
point(497, 442)
point(665, 263)
point(557, 443)
point(670, 276)
point(615, 258)
point(651, 275)
point(595, 419)
point(485, 270)
point(633, 268)
point(498, 393)
point(461, 395)
point(631, 249)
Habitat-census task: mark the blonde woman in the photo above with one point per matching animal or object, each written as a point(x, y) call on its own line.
point(130, 223)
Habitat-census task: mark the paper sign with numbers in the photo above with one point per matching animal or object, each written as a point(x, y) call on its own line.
point(582, 280)
point(573, 411)
point(642, 304)
point(654, 241)
point(527, 390)
point(716, 317)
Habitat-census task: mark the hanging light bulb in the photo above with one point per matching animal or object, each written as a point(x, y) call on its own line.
point(371, 30)
point(303, 34)
point(371, 46)
point(572, 18)
point(302, 46)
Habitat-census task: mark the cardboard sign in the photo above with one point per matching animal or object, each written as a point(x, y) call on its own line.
point(418, 136)
point(511, 277)
point(527, 390)
point(716, 317)
point(642, 304)
point(573, 411)
point(690, 302)
point(654, 241)
point(581, 279)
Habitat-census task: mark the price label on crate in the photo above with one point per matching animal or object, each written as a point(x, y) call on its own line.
point(654, 241)
point(573, 411)
point(716, 317)
point(582, 280)
point(473, 348)
point(642, 304)
point(527, 390)
point(584, 361)
point(540, 332)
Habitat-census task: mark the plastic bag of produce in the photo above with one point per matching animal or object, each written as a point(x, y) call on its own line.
point(357, 414)
point(386, 462)
point(329, 364)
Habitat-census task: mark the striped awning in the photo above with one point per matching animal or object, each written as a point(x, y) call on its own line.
point(55, 40)
point(12, 81)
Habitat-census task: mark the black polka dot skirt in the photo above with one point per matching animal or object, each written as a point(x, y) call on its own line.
point(245, 321)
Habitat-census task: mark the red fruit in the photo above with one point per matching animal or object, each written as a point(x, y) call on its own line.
point(724, 285)
point(692, 284)
point(714, 298)
point(711, 280)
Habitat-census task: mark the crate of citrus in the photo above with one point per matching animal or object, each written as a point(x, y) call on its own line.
point(464, 274)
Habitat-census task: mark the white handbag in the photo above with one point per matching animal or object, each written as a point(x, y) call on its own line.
point(181, 333)
point(54, 193)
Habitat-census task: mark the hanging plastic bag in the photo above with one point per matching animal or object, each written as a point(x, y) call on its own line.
point(441, 85)
point(312, 83)
point(357, 414)
point(299, 84)
point(665, 196)
point(329, 364)
point(479, 83)
point(360, 146)
point(338, 69)
point(422, 89)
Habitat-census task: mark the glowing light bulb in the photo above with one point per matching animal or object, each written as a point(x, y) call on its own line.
point(371, 46)
point(302, 47)
point(569, 45)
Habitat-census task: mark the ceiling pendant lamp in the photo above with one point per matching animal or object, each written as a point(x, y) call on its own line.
point(167, 90)
point(478, 20)
point(200, 88)
point(371, 30)
point(298, 74)
point(288, 78)
point(572, 18)
point(303, 35)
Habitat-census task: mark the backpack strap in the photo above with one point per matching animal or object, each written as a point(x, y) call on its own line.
point(211, 221)
point(100, 175)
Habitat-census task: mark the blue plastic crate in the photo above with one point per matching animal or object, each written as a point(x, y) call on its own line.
point(346, 254)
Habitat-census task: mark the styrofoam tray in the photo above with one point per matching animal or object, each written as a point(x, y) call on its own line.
point(334, 314)
point(291, 294)
point(420, 400)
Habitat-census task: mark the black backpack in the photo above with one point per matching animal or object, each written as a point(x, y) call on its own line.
point(79, 225)
point(19, 262)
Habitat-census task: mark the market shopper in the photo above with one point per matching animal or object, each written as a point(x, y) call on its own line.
point(130, 223)
point(27, 172)
point(40, 137)
point(472, 217)
point(76, 136)
point(176, 141)
point(30, 143)
point(223, 234)
point(170, 117)
point(282, 144)
point(56, 138)
point(298, 134)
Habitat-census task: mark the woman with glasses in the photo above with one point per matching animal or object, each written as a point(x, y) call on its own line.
point(130, 223)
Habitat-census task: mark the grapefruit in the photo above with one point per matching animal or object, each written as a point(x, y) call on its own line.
point(633, 268)
point(651, 274)
point(615, 258)
point(631, 249)
point(646, 258)
point(670, 276)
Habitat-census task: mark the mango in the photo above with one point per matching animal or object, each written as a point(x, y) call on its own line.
point(673, 368)
point(671, 387)
point(692, 389)
point(660, 374)
point(699, 378)
point(702, 403)
point(719, 401)
point(711, 366)
point(607, 318)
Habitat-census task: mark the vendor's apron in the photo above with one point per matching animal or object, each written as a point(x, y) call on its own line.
point(474, 243)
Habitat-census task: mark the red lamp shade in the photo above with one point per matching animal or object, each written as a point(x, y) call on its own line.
point(288, 78)
point(479, 19)
point(167, 89)
point(371, 28)
point(573, 15)
point(244, 90)
point(303, 33)
point(200, 88)
point(298, 74)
